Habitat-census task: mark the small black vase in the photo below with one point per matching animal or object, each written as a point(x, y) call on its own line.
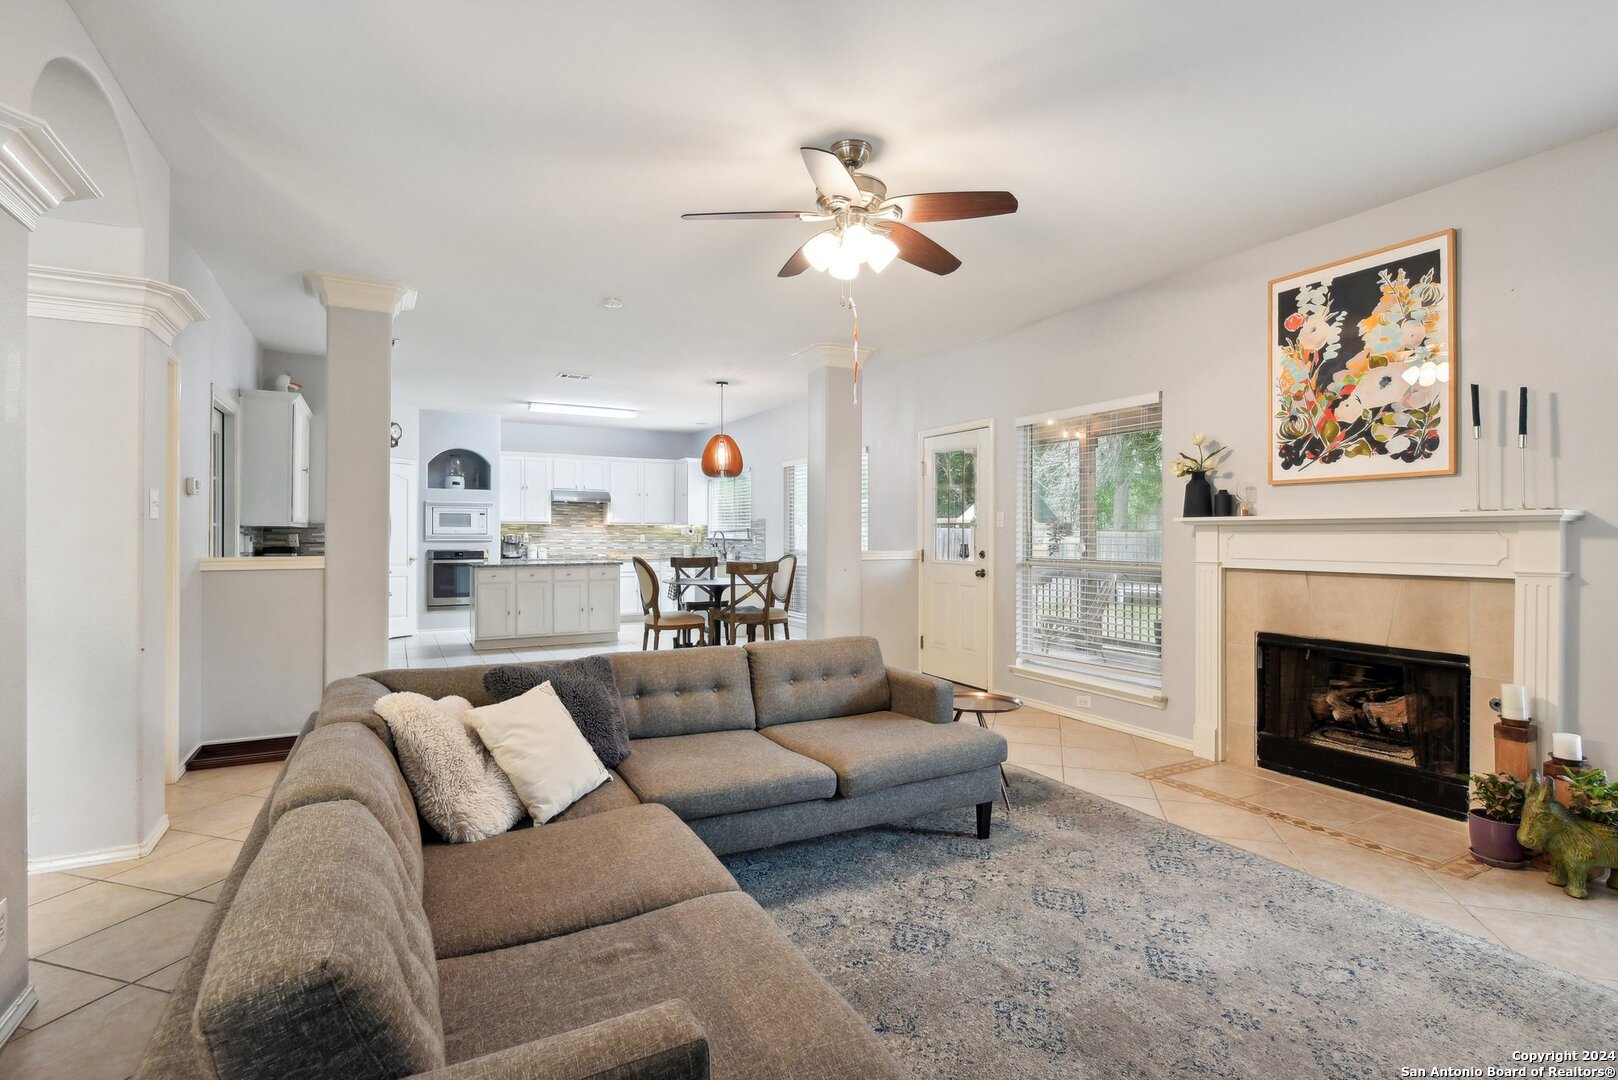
point(1198, 496)
point(1224, 504)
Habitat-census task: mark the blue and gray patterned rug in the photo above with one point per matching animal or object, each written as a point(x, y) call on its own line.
point(1088, 940)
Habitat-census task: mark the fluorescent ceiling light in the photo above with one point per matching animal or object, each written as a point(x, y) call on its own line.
point(579, 410)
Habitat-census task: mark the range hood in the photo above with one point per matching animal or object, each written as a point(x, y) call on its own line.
point(580, 495)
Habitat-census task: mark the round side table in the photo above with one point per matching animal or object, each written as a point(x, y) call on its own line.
point(979, 703)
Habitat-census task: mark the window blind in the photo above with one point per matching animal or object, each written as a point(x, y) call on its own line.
point(795, 481)
point(1090, 541)
point(865, 498)
point(730, 505)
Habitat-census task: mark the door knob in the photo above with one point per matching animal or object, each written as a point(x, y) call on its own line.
point(983, 573)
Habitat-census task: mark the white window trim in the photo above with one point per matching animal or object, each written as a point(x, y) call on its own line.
point(225, 400)
point(1144, 693)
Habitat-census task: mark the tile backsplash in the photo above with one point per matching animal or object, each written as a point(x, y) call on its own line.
point(580, 530)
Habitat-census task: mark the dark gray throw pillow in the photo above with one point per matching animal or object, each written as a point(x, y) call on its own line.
point(587, 691)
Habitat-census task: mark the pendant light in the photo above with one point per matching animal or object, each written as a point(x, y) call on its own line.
point(721, 457)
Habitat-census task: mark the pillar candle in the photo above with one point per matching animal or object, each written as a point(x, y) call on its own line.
point(1514, 702)
point(1567, 746)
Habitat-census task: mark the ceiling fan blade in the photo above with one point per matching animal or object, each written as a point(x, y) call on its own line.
point(795, 265)
point(830, 175)
point(917, 249)
point(757, 215)
point(954, 205)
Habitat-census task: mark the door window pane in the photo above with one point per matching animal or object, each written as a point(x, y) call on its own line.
point(955, 496)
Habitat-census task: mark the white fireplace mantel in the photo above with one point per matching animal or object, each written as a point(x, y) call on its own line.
point(1528, 547)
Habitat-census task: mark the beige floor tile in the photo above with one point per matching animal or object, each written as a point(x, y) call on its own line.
point(1313, 807)
point(1166, 793)
point(1582, 946)
point(1023, 718)
point(1154, 754)
point(184, 798)
point(1051, 772)
point(1094, 737)
point(1214, 819)
point(45, 886)
point(1031, 754)
point(210, 894)
point(172, 842)
point(102, 1041)
point(1032, 736)
point(1364, 871)
point(167, 979)
point(1110, 782)
point(1420, 834)
point(1454, 916)
point(61, 919)
point(187, 871)
point(61, 990)
point(1121, 759)
point(137, 947)
point(1527, 890)
point(229, 816)
point(1230, 780)
point(238, 779)
point(1273, 850)
point(1149, 807)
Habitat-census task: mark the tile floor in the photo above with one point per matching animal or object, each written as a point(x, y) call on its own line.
point(108, 942)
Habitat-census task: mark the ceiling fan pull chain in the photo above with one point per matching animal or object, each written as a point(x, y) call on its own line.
point(847, 300)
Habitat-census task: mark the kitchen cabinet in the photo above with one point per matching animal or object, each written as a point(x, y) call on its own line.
point(603, 597)
point(657, 490)
point(516, 604)
point(534, 609)
point(525, 488)
point(624, 483)
point(579, 473)
point(494, 603)
point(274, 429)
point(642, 491)
point(690, 492)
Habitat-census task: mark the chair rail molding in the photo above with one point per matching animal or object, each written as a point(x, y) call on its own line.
point(358, 293)
point(112, 299)
point(37, 174)
point(1526, 547)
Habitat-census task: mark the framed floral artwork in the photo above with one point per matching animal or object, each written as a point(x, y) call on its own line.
point(1362, 366)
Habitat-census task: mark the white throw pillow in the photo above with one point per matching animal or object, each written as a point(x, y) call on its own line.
point(536, 742)
point(459, 789)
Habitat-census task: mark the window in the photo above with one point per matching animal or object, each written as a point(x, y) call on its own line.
point(224, 532)
point(865, 498)
point(1090, 541)
point(730, 506)
point(795, 482)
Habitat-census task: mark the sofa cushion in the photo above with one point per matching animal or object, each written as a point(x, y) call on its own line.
point(683, 691)
point(808, 680)
point(723, 772)
point(464, 681)
point(885, 749)
point(609, 796)
point(533, 884)
point(348, 761)
point(766, 1013)
point(324, 965)
point(585, 686)
point(353, 701)
point(541, 749)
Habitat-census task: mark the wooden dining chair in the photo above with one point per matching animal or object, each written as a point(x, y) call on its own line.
point(696, 568)
point(655, 619)
point(752, 594)
point(785, 578)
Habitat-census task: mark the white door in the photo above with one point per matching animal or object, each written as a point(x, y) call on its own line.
point(401, 549)
point(569, 600)
point(511, 488)
point(536, 490)
point(657, 489)
point(623, 482)
point(957, 591)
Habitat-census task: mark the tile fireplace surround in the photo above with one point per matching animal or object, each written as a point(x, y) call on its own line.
point(1486, 584)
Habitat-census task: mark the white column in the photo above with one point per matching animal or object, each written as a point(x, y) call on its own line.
point(359, 388)
point(1208, 728)
point(36, 174)
point(836, 436)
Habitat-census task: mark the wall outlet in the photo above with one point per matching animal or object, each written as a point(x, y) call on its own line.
point(1081, 701)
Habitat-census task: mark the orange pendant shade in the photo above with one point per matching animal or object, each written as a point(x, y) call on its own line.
point(721, 457)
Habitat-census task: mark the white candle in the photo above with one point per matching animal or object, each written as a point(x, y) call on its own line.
point(1514, 702)
point(1567, 746)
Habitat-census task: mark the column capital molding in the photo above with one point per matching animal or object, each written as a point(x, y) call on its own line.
point(111, 299)
point(359, 294)
point(37, 174)
point(838, 354)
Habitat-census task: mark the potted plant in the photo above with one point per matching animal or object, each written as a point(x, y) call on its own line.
point(1593, 796)
point(1198, 489)
point(1492, 823)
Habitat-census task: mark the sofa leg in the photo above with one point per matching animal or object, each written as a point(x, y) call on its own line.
point(985, 811)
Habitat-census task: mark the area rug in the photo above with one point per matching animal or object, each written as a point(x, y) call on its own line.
point(1085, 939)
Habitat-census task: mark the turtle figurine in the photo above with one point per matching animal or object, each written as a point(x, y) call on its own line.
point(1575, 844)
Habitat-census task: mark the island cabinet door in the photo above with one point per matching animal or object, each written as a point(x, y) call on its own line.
point(496, 608)
point(569, 604)
point(534, 606)
point(604, 604)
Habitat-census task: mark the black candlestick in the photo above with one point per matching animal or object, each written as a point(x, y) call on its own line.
point(1522, 413)
point(1477, 424)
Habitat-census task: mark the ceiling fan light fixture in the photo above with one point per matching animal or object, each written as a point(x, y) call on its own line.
point(821, 249)
point(882, 251)
point(844, 268)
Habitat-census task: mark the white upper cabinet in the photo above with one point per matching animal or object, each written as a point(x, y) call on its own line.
point(624, 483)
point(525, 488)
point(657, 492)
point(690, 493)
point(642, 491)
point(275, 459)
point(579, 473)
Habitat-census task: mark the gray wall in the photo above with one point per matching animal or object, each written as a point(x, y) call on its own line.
point(767, 440)
point(1535, 280)
point(541, 438)
point(262, 653)
point(310, 370)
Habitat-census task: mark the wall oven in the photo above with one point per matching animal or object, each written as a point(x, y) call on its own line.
point(460, 521)
point(450, 572)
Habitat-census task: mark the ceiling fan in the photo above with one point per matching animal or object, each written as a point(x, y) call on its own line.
point(867, 227)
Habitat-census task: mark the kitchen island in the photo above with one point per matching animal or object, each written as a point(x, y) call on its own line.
point(523, 602)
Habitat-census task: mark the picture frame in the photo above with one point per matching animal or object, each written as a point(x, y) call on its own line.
point(1363, 366)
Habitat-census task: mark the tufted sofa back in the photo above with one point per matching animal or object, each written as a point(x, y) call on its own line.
point(812, 680)
point(684, 691)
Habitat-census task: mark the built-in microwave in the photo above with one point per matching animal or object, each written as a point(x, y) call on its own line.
point(460, 521)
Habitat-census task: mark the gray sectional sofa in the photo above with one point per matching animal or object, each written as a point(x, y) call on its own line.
point(610, 942)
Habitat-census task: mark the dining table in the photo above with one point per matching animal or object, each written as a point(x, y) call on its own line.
point(708, 590)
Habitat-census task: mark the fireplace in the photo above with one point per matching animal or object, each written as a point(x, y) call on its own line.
point(1381, 721)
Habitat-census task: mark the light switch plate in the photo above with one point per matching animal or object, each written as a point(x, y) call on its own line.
point(154, 504)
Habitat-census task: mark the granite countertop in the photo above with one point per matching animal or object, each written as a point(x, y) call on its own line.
point(555, 562)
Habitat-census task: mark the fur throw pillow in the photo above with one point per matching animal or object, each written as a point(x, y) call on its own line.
point(588, 692)
point(457, 786)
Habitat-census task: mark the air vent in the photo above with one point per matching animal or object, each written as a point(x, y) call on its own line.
point(572, 375)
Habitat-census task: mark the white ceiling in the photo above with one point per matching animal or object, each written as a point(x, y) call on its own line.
point(517, 161)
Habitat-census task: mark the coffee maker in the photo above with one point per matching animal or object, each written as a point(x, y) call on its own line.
point(513, 545)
